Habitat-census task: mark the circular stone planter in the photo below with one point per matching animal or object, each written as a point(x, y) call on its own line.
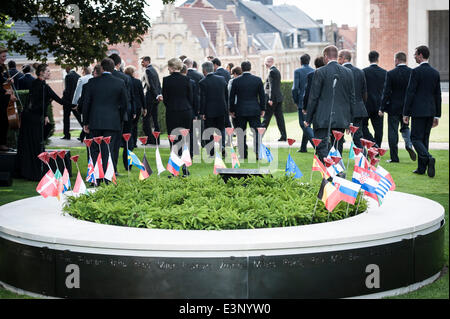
point(388, 250)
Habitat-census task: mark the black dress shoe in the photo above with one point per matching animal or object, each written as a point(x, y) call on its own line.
point(412, 154)
point(282, 139)
point(302, 151)
point(65, 138)
point(431, 167)
point(417, 172)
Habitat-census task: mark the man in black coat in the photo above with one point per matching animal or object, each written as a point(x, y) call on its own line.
point(139, 101)
point(70, 84)
point(153, 95)
point(375, 77)
point(219, 70)
point(331, 103)
point(359, 81)
point(130, 115)
point(213, 100)
point(247, 105)
point(199, 125)
point(394, 93)
point(105, 101)
point(423, 104)
point(27, 79)
point(274, 98)
point(13, 72)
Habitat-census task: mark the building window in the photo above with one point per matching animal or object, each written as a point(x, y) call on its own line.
point(178, 49)
point(161, 54)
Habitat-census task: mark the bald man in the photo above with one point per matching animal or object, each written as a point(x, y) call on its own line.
point(274, 98)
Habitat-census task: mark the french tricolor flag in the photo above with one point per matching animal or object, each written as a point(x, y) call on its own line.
point(349, 190)
point(175, 163)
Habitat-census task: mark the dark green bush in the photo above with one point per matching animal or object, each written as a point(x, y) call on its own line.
point(206, 203)
point(288, 103)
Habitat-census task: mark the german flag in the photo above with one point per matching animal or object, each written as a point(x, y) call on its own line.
point(329, 195)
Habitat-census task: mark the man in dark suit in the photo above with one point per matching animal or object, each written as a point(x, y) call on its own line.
point(423, 104)
point(318, 63)
point(213, 100)
point(153, 95)
point(359, 81)
point(130, 114)
point(274, 98)
point(105, 101)
point(195, 76)
point(375, 77)
point(70, 84)
point(331, 103)
point(219, 70)
point(394, 93)
point(247, 105)
point(139, 101)
point(27, 79)
point(298, 94)
point(13, 72)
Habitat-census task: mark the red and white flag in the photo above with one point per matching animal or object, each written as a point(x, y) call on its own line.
point(110, 175)
point(48, 186)
point(80, 187)
point(98, 169)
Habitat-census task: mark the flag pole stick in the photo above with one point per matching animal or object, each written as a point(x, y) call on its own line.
point(310, 180)
point(359, 200)
point(128, 164)
point(350, 150)
point(346, 212)
point(101, 158)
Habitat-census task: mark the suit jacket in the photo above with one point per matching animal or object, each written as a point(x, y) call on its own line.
point(224, 73)
point(300, 83)
point(273, 86)
point(131, 108)
point(104, 103)
point(152, 86)
point(247, 97)
point(375, 77)
point(321, 97)
point(138, 93)
point(25, 81)
point(213, 96)
point(196, 77)
point(423, 95)
point(70, 84)
point(17, 78)
point(309, 79)
point(177, 93)
point(359, 81)
point(394, 91)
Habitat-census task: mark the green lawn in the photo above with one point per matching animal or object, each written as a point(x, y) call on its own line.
point(439, 134)
point(436, 189)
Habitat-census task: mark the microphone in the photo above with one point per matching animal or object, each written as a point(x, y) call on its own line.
point(335, 79)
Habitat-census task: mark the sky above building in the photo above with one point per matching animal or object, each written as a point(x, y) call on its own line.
point(340, 12)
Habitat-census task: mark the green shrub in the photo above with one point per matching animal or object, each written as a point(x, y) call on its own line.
point(288, 103)
point(206, 203)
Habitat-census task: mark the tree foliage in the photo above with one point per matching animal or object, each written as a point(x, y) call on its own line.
point(76, 32)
